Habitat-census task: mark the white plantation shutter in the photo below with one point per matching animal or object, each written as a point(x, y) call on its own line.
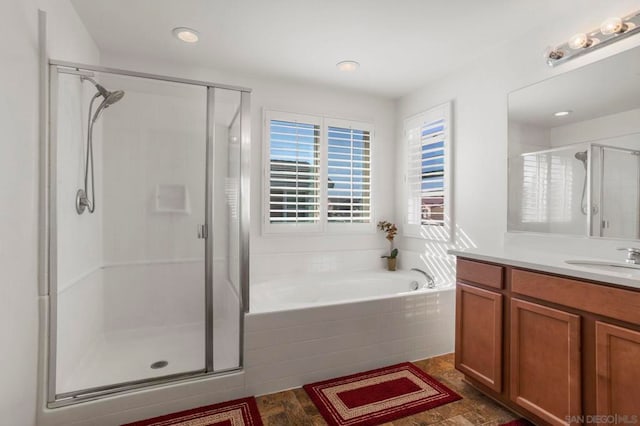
point(349, 174)
point(534, 189)
point(317, 174)
point(547, 179)
point(293, 169)
point(427, 174)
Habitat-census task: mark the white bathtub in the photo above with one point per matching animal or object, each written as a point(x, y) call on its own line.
point(332, 288)
point(308, 328)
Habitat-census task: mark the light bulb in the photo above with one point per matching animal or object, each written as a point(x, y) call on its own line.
point(185, 34)
point(613, 26)
point(562, 113)
point(348, 66)
point(580, 41)
point(553, 54)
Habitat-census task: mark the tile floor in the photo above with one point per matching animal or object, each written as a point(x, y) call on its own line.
point(294, 408)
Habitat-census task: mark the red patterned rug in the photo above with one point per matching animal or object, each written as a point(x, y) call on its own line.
point(240, 412)
point(378, 396)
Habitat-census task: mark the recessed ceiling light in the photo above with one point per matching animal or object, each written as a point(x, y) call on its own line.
point(185, 34)
point(562, 113)
point(348, 66)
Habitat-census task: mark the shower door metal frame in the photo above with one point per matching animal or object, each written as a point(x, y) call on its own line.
point(48, 265)
point(601, 149)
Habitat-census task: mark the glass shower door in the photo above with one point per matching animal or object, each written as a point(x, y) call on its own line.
point(226, 207)
point(130, 280)
point(619, 193)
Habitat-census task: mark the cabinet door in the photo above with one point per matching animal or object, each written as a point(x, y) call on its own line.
point(618, 370)
point(545, 361)
point(479, 335)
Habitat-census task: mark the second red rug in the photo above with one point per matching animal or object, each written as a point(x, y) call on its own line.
point(378, 396)
point(239, 412)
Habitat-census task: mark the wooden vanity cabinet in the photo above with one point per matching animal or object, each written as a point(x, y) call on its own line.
point(479, 322)
point(556, 349)
point(544, 361)
point(479, 338)
point(617, 370)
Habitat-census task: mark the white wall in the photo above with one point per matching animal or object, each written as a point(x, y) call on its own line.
point(19, 188)
point(525, 137)
point(18, 224)
point(594, 130)
point(479, 92)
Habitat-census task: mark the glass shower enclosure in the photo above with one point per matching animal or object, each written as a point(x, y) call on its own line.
point(147, 229)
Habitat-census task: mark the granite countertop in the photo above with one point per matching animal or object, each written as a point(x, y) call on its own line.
point(553, 263)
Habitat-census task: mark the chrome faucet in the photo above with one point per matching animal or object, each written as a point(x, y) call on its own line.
point(431, 283)
point(633, 255)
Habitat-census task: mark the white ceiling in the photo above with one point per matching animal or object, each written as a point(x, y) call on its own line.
point(401, 44)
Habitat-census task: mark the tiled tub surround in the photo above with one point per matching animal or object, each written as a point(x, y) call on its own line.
point(288, 348)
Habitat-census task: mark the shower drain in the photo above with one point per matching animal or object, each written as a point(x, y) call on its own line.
point(159, 364)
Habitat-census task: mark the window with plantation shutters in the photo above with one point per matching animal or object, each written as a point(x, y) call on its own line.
point(547, 180)
point(294, 170)
point(317, 174)
point(428, 147)
point(349, 174)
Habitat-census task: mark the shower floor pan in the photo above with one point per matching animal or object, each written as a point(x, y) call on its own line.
point(140, 354)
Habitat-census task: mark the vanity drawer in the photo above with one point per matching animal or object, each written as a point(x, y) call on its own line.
point(480, 273)
point(620, 304)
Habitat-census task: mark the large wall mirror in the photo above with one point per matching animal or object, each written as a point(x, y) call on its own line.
point(574, 152)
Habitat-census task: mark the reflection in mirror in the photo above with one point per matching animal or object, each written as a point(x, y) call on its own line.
point(574, 152)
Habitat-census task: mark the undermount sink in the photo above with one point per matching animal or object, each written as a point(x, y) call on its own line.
point(625, 268)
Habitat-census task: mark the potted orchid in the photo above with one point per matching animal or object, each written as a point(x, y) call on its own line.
point(391, 230)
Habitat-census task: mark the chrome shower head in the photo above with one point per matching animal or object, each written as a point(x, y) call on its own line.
point(582, 156)
point(110, 98)
point(113, 97)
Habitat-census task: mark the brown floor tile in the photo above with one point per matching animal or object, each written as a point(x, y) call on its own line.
point(270, 405)
point(318, 421)
point(457, 421)
point(279, 419)
point(305, 402)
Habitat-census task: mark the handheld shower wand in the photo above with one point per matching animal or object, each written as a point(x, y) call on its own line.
point(583, 156)
point(110, 98)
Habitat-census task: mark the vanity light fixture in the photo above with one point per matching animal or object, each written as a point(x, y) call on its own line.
point(348, 66)
point(610, 31)
point(188, 35)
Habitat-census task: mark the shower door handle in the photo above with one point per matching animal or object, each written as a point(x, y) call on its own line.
point(203, 232)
